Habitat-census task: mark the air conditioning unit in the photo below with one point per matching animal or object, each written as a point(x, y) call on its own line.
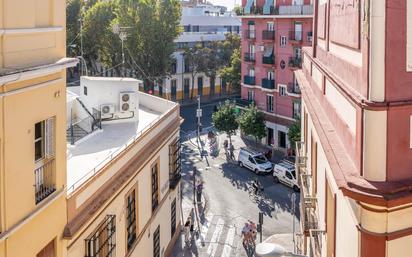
point(127, 101)
point(107, 110)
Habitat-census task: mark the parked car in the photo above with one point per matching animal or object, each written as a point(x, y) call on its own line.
point(256, 162)
point(284, 172)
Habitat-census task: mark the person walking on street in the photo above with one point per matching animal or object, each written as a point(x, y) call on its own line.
point(186, 230)
point(199, 189)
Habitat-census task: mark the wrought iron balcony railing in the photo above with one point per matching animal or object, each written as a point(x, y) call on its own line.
point(268, 35)
point(295, 62)
point(249, 80)
point(268, 83)
point(250, 57)
point(268, 60)
point(44, 180)
point(317, 242)
point(309, 214)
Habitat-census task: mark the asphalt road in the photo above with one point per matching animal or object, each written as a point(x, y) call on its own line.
point(230, 206)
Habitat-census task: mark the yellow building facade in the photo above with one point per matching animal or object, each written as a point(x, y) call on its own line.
point(32, 127)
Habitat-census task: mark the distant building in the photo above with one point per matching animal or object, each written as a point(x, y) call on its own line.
point(202, 23)
point(273, 33)
point(355, 159)
point(123, 170)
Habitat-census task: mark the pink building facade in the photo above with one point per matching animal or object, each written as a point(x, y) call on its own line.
point(272, 38)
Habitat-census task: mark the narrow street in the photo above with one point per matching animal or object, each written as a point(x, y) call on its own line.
point(228, 205)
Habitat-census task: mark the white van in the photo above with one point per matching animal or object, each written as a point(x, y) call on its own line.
point(284, 172)
point(256, 162)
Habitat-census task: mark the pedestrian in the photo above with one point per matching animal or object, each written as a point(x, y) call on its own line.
point(245, 234)
point(186, 230)
point(199, 189)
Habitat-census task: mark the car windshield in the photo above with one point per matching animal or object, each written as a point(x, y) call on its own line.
point(260, 159)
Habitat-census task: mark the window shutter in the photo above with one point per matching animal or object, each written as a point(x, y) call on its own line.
point(50, 135)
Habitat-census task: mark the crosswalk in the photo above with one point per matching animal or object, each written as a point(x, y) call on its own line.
point(219, 236)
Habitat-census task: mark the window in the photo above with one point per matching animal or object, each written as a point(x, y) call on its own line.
point(174, 68)
point(281, 139)
point(186, 28)
point(102, 242)
point(250, 95)
point(155, 186)
point(44, 139)
point(269, 103)
point(195, 28)
point(251, 159)
point(173, 217)
point(282, 90)
point(252, 72)
point(252, 49)
point(173, 83)
point(84, 90)
point(288, 175)
point(156, 242)
point(270, 26)
point(296, 109)
point(283, 41)
point(131, 219)
point(271, 75)
point(174, 158)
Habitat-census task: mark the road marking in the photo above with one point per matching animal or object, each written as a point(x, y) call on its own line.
point(214, 241)
point(229, 241)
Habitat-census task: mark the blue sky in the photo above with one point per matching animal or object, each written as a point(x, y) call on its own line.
point(228, 3)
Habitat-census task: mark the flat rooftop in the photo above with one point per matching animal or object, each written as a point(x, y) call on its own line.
point(91, 153)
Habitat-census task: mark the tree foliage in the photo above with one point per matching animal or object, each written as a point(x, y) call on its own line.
point(232, 74)
point(252, 122)
point(150, 25)
point(294, 133)
point(225, 119)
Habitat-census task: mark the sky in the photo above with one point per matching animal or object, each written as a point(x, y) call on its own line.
point(228, 3)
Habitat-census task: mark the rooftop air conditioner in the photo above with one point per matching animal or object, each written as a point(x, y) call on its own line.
point(107, 110)
point(127, 101)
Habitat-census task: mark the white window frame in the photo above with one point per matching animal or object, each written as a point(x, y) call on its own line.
point(270, 26)
point(251, 72)
point(282, 90)
point(47, 139)
point(296, 109)
point(270, 75)
point(283, 41)
point(269, 108)
point(251, 95)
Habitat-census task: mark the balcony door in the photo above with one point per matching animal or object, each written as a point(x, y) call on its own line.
point(298, 31)
point(297, 52)
point(251, 72)
point(297, 2)
point(271, 75)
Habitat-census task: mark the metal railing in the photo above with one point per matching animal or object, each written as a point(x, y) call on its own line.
point(44, 180)
point(295, 10)
point(268, 59)
point(295, 62)
point(280, 10)
point(249, 80)
point(301, 158)
point(114, 154)
point(316, 242)
point(268, 83)
point(250, 57)
point(175, 164)
point(268, 34)
point(308, 211)
point(250, 34)
point(294, 88)
point(306, 185)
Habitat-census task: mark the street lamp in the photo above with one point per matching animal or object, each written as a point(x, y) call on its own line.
point(274, 250)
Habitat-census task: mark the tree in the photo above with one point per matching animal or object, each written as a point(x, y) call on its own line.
point(195, 59)
point(225, 119)
point(252, 122)
point(294, 133)
point(232, 73)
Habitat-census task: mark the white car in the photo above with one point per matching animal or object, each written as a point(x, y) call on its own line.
point(284, 172)
point(256, 162)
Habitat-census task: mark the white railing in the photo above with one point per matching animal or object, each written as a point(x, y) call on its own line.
point(109, 158)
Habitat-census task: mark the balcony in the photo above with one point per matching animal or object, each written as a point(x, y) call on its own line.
point(175, 164)
point(305, 182)
point(295, 10)
point(249, 80)
point(250, 57)
point(250, 34)
point(294, 89)
point(270, 60)
point(296, 36)
point(308, 211)
point(268, 83)
point(44, 180)
point(317, 238)
point(295, 62)
point(268, 35)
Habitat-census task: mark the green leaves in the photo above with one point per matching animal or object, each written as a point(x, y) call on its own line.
point(294, 133)
point(225, 119)
point(252, 122)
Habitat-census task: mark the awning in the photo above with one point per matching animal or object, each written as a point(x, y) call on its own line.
point(268, 51)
